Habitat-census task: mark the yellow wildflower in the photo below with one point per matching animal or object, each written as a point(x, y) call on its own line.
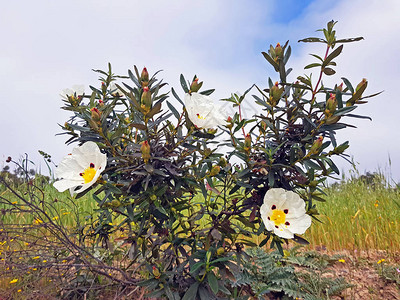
point(14, 280)
point(341, 260)
point(380, 261)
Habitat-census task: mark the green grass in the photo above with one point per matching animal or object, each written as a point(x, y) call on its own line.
point(357, 215)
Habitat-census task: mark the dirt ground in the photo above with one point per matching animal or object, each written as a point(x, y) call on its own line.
point(361, 269)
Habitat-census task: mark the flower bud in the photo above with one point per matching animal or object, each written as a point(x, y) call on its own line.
point(196, 85)
point(363, 82)
point(278, 51)
point(156, 272)
point(145, 149)
point(96, 114)
point(103, 87)
point(340, 87)
point(220, 251)
point(101, 103)
point(146, 99)
point(229, 124)
point(316, 146)
point(247, 142)
point(275, 94)
point(144, 77)
point(222, 162)
point(215, 170)
point(331, 105)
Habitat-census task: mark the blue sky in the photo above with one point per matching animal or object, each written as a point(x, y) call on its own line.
point(48, 46)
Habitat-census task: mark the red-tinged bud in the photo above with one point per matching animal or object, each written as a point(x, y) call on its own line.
point(363, 83)
point(8, 159)
point(145, 149)
point(340, 87)
point(247, 142)
point(331, 105)
point(144, 77)
point(156, 272)
point(315, 148)
point(101, 103)
point(215, 170)
point(103, 87)
point(96, 114)
point(275, 94)
point(278, 51)
point(196, 85)
point(229, 123)
point(146, 98)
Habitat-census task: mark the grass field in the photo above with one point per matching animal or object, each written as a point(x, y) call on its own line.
point(356, 214)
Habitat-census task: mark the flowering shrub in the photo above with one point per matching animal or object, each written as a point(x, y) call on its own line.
point(186, 208)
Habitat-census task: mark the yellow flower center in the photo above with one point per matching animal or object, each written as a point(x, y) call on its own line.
point(200, 117)
point(278, 217)
point(88, 174)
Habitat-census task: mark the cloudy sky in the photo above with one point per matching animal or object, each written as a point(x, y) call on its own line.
point(50, 45)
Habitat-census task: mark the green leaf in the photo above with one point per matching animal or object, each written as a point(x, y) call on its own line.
point(213, 282)
point(264, 241)
point(344, 110)
point(271, 61)
point(183, 84)
point(191, 292)
point(176, 96)
point(312, 40)
point(329, 71)
point(349, 40)
point(196, 266)
point(300, 240)
point(313, 65)
point(331, 56)
point(174, 111)
point(348, 84)
point(207, 92)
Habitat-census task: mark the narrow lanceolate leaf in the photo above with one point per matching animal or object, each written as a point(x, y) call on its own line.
point(213, 282)
point(183, 84)
point(191, 292)
point(271, 61)
point(173, 110)
point(348, 84)
point(312, 40)
point(312, 66)
point(349, 40)
point(331, 56)
point(176, 96)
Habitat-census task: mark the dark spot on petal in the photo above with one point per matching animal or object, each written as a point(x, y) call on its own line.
point(273, 207)
point(81, 174)
point(269, 218)
point(276, 226)
point(92, 165)
point(286, 211)
point(287, 223)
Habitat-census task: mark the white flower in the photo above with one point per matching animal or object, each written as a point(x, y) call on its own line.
point(77, 90)
point(284, 213)
point(203, 112)
point(81, 169)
